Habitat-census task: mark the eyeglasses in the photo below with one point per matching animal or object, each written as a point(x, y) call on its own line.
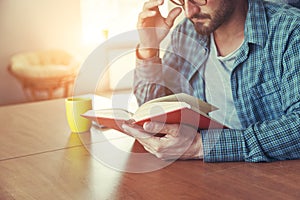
point(196, 2)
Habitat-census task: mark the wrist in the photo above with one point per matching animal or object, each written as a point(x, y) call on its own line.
point(201, 154)
point(199, 146)
point(144, 53)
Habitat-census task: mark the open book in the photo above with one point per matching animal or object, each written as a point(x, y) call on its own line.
point(173, 109)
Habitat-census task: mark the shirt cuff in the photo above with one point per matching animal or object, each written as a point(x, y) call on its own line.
point(142, 62)
point(150, 69)
point(222, 145)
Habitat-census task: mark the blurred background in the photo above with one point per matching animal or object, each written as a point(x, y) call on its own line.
point(74, 26)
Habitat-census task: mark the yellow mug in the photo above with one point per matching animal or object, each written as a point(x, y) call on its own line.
point(75, 106)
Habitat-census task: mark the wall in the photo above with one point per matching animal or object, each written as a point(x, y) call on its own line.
point(44, 24)
point(31, 25)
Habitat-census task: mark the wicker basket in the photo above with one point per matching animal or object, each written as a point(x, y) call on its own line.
point(45, 74)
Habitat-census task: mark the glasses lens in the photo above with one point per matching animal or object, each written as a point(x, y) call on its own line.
point(178, 2)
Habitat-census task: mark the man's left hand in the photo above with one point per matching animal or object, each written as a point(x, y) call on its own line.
point(179, 141)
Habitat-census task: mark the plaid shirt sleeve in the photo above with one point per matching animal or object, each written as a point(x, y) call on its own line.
point(147, 76)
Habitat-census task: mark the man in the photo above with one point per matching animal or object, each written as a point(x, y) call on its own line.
point(241, 56)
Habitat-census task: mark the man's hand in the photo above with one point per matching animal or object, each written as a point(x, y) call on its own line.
point(153, 28)
point(179, 141)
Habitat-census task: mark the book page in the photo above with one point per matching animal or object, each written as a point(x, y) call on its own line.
point(114, 113)
point(196, 104)
point(153, 109)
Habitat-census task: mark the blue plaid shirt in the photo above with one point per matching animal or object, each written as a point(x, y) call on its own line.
point(265, 84)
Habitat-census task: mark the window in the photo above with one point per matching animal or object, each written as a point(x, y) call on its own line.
point(114, 17)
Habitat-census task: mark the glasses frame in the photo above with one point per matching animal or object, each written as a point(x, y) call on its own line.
point(192, 1)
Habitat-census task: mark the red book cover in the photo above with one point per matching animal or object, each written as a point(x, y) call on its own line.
point(114, 118)
point(185, 116)
point(173, 109)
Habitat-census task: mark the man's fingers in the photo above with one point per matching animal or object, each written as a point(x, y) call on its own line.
point(136, 131)
point(150, 9)
point(173, 14)
point(144, 16)
point(156, 127)
point(147, 14)
point(152, 5)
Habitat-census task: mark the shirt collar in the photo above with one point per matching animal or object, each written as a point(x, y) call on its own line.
point(256, 26)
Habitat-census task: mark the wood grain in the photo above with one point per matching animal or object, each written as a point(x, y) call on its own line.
point(75, 174)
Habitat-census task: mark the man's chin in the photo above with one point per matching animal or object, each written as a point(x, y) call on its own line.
point(202, 29)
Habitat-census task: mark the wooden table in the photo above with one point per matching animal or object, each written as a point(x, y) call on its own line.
point(41, 159)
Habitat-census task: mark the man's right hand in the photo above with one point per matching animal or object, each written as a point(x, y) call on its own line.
point(153, 27)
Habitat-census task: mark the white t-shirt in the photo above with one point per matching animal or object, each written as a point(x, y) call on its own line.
point(218, 86)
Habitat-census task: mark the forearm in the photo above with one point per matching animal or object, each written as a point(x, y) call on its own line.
point(262, 142)
point(149, 80)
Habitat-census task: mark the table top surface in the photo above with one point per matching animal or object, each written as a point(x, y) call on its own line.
point(41, 159)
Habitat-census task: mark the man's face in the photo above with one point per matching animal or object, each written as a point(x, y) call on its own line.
point(208, 18)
